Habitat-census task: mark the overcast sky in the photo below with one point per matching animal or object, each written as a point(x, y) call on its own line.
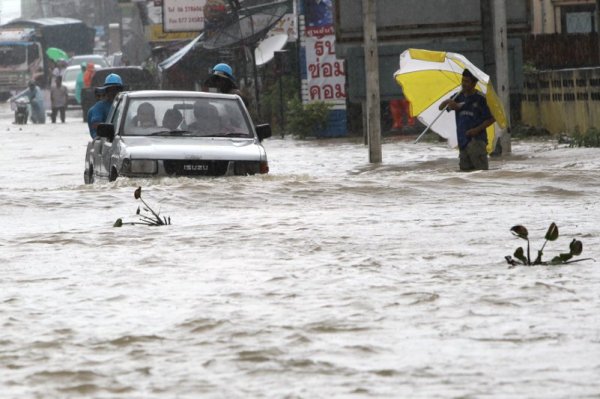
point(9, 9)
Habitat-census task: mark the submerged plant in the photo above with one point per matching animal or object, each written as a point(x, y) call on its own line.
point(146, 220)
point(575, 249)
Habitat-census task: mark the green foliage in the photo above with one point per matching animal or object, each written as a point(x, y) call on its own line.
point(529, 67)
point(270, 100)
point(305, 120)
point(575, 249)
point(591, 138)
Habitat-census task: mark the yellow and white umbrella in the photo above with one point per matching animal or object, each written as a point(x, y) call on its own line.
point(430, 77)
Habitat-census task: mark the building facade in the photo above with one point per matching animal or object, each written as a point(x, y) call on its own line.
point(564, 16)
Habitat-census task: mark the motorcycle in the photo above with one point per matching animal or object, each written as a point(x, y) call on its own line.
point(21, 108)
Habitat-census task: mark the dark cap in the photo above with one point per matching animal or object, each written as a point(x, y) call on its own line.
point(470, 75)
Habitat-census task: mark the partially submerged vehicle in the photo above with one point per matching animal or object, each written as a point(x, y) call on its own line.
point(176, 133)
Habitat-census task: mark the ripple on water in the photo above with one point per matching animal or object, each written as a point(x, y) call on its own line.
point(417, 298)
point(547, 287)
point(520, 339)
point(558, 192)
point(334, 327)
point(128, 340)
point(66, 375)
point(259, 355)
point(202, 324)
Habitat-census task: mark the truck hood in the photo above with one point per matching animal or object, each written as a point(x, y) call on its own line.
point(209, 148)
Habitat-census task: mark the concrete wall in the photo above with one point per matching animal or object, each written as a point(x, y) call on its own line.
point(562, 101)
point(389, 60)
point(445, 25)
point(399, 20)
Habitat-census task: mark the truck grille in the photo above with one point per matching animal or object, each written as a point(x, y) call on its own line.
point(8, 79)
point(195, 168)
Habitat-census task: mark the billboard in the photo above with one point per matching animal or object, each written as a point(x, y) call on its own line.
point(183, 15)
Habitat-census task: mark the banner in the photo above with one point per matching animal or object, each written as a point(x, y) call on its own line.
point(157, 34)
point(318, 15)
point(183, 15)
point(325, 74)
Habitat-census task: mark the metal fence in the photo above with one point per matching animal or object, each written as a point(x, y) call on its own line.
point(562, 101)
point(558, 51)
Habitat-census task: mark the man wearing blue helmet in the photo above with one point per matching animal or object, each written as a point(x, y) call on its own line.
point(221, 80)
point(113, 85)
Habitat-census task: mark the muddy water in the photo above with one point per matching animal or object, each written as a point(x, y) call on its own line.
point(327, 278)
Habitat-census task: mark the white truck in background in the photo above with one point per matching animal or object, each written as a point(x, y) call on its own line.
point(23, 44)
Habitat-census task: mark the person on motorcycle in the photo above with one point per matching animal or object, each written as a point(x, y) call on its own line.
point(113, 85)
point(221, 80)
point(36, 102)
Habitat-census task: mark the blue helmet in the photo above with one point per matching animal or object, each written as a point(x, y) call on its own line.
point(223, 70)
point(113, 80)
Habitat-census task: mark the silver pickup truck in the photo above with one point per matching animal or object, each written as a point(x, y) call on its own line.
point(176, 133)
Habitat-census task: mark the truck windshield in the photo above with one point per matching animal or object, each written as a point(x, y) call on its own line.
point(12, 55)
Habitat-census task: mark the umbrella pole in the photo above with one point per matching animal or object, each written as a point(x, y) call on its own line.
point(435, 120)
point(431, 124)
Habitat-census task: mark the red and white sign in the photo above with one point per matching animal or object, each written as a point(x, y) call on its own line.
point(183, 15)
point(325, 75)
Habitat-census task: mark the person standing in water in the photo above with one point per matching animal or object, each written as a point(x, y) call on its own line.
point(473, 117)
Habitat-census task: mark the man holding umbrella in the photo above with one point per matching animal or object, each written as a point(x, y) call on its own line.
point(473, 117)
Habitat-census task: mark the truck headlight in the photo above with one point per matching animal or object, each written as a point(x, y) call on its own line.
point(143, 166)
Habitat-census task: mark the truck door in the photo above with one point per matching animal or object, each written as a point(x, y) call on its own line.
point(109, 150)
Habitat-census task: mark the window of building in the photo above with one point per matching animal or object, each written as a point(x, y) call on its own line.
point(579, 19)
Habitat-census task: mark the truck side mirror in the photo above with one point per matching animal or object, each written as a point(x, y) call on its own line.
point(106, 130)
point(263, 131)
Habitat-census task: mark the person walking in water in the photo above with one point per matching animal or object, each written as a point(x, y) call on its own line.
point(58, 100)
point(473, 117)
point(79, 83)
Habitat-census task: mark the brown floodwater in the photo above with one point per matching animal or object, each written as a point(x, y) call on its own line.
point(329, 277)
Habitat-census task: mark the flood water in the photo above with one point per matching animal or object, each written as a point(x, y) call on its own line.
point(328, 277)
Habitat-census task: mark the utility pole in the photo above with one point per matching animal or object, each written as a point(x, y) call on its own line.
point(487, 37)
point(598, 27)
point(501, 52)
point(495, 55)
point(373, 120)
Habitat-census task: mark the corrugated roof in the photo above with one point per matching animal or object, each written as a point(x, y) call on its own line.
point(43, 22)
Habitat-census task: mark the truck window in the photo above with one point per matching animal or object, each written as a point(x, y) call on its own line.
point(12, 55)
point(32, 53)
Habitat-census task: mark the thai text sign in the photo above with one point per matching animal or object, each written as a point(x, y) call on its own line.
point(183, 15)
point(325, 74)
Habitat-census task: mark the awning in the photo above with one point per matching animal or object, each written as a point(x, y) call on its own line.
point(175, 58)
